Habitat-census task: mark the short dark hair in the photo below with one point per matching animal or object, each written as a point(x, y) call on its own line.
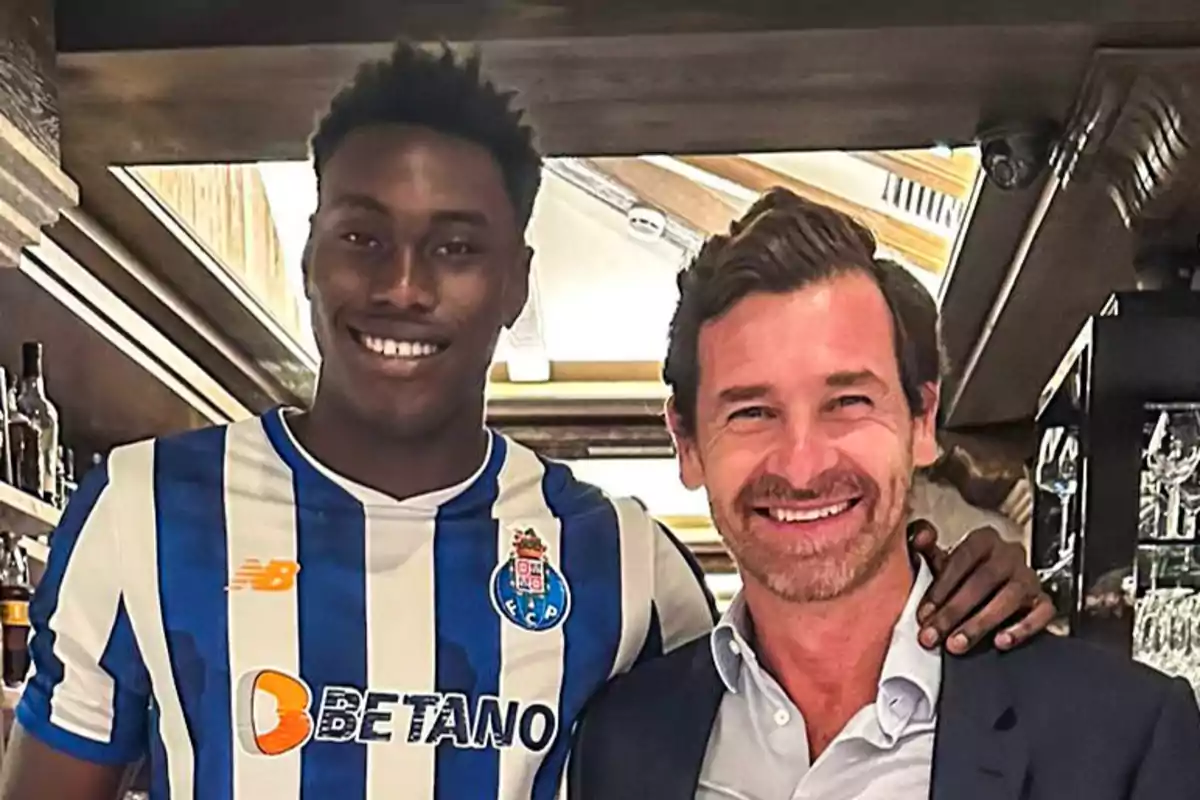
point(918, 313)
point(783, 243)
point(442, 92)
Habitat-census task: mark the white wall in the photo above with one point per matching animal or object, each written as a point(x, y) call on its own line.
point(605, 295)
point(654, 481)
point(590, 271)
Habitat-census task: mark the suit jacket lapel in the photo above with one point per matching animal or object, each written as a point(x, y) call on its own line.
point(683, 731)
point(980, 750)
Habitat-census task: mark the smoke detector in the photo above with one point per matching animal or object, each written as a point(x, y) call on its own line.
point(646, 223)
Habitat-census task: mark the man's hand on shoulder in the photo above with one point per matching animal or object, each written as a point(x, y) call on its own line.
point(978, 586)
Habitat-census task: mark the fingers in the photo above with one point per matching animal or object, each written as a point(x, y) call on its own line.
point(979, 586)
point(1040, 615)
point(985, 582)
point(1011, 599)
point(923, 538)
point(964, 559)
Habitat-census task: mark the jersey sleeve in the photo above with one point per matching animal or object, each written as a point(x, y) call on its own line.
point(88, 692)
point(683, 609)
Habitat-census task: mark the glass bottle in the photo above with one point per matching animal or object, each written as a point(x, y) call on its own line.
point(15, 593)
point(6, 462)
point(22, 440)
point(69, 484)
point(43, 417)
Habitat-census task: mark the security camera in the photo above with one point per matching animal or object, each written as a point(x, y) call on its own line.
point(1014, 156)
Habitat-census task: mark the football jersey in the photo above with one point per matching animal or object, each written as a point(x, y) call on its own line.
point(264, 629)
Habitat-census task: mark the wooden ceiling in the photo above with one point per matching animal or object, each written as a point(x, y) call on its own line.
point(222, 81)
point(709, 210)
point(218, 80)
point(142, 24)
point(923, 248)
point(952, 173)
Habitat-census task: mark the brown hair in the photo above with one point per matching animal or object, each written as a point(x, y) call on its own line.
point(783, 243)
point(981, 481)
point(917, 311)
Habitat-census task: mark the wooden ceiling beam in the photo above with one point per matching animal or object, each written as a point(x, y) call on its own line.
point(707, 210)
point(1124, 187)
point(952, 175)
point(713, 558)
point(150, 24)
point(979, 268)
point(1078, 253)
point(621, 95)
point(923, 248)
point(591, 372)
point(581, 438)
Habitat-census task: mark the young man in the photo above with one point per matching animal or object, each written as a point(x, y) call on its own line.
point(377, 597)
point(812, 685)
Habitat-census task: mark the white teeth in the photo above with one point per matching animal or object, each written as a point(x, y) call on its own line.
point(808, 514)
point(391, 348)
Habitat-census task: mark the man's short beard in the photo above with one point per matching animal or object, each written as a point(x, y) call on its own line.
point(826, 576)
point(798, 576)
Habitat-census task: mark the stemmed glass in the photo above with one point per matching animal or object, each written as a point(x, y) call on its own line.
point(1150, 506)
point(1173, 455)
point(1189, 498)
point(1166, 632)
point(1058, 473)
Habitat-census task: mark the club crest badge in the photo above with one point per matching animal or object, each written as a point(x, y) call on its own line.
point(526, 589)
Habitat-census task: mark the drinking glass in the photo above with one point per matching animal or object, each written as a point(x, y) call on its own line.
point(1173, 455)
point(1058, 473)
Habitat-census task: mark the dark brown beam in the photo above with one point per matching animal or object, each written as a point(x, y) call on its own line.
point(29, 100)
point(1080, 254)
point(593, 371)
point(980, 261)
point(1124, 186)
point(537, 410)
point(195, 328)
point(129, 224)
point(149, 24)
point(713, 558)
point(594, 439)
point(814, 89)
point(114, 377)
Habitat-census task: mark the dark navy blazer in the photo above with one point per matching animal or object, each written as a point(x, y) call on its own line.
point(1055, 719)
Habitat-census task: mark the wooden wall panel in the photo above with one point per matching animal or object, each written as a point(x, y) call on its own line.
point(28, 96)
point(225, 206)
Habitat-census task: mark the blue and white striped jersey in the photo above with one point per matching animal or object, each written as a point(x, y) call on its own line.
point(267, 630)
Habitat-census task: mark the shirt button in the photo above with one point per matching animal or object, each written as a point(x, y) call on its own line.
point(782, 718)
point(735, 648)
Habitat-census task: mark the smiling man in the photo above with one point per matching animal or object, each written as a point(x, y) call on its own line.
point(377, 597)
point(799, 403)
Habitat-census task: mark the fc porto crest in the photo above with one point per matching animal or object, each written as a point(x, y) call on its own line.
point(527, 589)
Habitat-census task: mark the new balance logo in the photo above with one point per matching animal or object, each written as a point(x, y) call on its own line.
point(277, 575)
